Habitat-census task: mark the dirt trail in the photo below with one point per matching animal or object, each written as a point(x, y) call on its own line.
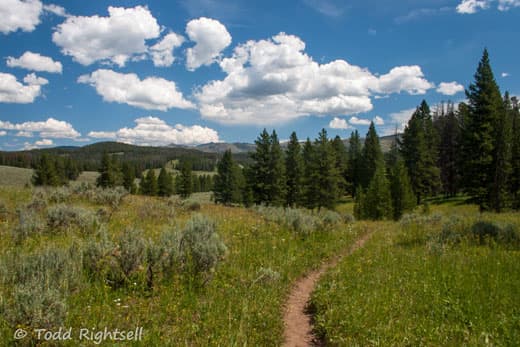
point(298, 327)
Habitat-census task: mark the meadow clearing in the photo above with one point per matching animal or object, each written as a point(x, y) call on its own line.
point(85, 257)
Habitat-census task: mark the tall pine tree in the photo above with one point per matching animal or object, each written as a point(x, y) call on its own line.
point(185, 180)
point(327, 176)
point(226, 188)
point(276, 184)
point(260, 169)
point(164, 183)
point(371, 156)
point(293, 171)
point(515, 155)
point(354, 163)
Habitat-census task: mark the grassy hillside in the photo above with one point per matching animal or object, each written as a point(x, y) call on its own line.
point(14, 176)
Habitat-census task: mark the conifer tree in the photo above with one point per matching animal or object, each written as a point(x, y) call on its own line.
point(310, 170)
point(128, 171)
point(327, 177)
point(149, 183)
point(484, 161)
point(164, 183)
point(376, 202)
point(276, 182)
point(185, 187)
point(260, 169)
point(45, 172)
point(403, 198)
point(354, 162)
point(294, 172)
point(109, 173)
point(340, 153)
point(515, 155)
point(225, 180)
point(371, 156)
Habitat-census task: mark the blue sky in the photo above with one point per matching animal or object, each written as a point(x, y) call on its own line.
point(190, 72)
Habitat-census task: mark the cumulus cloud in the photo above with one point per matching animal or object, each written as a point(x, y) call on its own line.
point(51, 128)
point(275, 81)
point(153, 131)
point(35, 62)
point(44, 142)
point(151, 93)
point(450, 88)
point(12, 91)
point(210, 36)
point(3, 133)
point(116, 38)
point(24, 134)
point(378, 120)
point(397, 121)
point(339, 123)
point(473, 6)
point(19, 15)
point(162, 52)
point(359, 121)
point(55, 9)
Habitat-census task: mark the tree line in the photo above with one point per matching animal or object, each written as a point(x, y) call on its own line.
point(474, 149)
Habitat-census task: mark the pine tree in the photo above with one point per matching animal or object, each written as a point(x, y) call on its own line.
point(45, 172)
point(403, 198)
point(326, 173)
point(354, 162)
point(226, 180)
point(483, 158)
point(164, 183)
point(371, 156)
point(294, 171)
point(310, 170)
point(276, 172)
point(515, 153)
point(109, 172)
point(149, 184)
point(260, 169)
point(376, 202)
point(185, 187)
point(340, 153)
point(419, 149)
point(128, 172)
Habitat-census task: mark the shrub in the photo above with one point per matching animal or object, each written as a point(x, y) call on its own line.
point(330, 218)
point(420, 219)
point(348, 218)
point(110, 196)
point(192, 205)
point(3, 211)
point(64, 217)
point(266, 275)
point(59, 194)
point(39, 283)
point(169, 250)
point(37, 204)
point(29, 224)
point(200, 245)
point(295, 219)
point(502, 234)
point(131, 251)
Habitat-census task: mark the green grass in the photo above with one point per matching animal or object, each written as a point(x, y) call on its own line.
point(404, 289)
point(15, 176)
point(238, 306)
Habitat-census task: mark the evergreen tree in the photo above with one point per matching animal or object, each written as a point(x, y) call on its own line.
point(109, 173)
point(149, 184)
point(354, 162)
point(327, 176)
point(128, 172)
point(419, 150)
point(294, 171)
point(185, 187)
point(340, 153)
point(276, 173)
point(260, 174)
point(403, 198)
point(485, 163)
point(310, 177)
point(226, 180)
point(376, 202)
point(371, 156)
point(164, 183)
point(515, 155)
point(45, 172)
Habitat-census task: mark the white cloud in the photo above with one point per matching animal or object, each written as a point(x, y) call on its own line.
point(116, 38)
point(359, 121)
point(3, 133)
point(339, 123)
point(55, 9)
point(24, 134)
point(35, 62)
point(330, 8)
point(397, 121)
point(472, 6)
point(156, 132)
point(51, 128)
point(44, 142)
point(505, 74)
point(274, 81)
point(19, 15)
point(162, 52)
point(450, 88)
point(151, 93)
point(12, 91)
point(378, 120)
point(210, 36)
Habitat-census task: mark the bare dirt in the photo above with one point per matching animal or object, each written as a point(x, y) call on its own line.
point(298, 323)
